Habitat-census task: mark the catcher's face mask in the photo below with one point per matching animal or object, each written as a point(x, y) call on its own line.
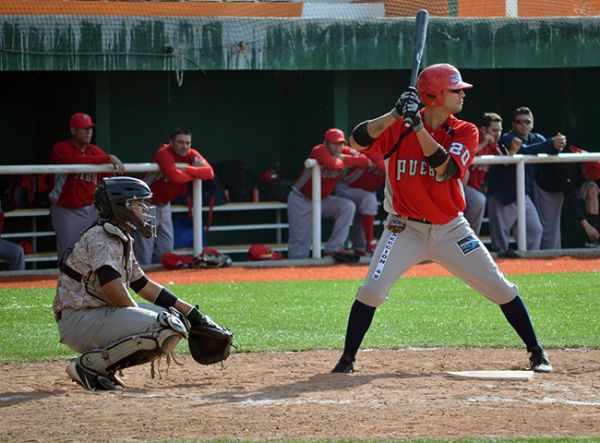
point(141, 216)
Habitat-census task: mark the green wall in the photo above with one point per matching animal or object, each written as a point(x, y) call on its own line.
point(263, 117)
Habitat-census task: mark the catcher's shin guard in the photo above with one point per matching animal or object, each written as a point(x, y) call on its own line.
point(137, 349)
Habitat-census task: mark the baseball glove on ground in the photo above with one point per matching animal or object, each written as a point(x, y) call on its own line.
point(209, 343)
point(211, 258)
point(345, 256)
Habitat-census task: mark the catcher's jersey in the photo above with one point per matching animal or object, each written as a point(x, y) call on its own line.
point(96, 248)
point(410, 187)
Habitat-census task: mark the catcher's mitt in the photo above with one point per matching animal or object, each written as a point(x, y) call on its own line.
point(209, 343)
point(211, 258)
point(345, 256)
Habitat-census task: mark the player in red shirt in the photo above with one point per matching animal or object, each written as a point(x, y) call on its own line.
point(427, 152)
point(166, 185)
point(72, 199)
point(333, 157)
point(360, 186)
point(490, 131)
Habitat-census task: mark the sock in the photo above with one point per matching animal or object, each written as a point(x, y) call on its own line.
point(368, 221)
point(359, 322)
point(592, 219)
point(518, 317)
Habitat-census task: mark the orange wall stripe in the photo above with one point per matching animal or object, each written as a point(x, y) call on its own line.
point(212, 9)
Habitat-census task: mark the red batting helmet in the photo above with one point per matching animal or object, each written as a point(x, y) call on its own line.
point(334, 135)
point(436, 78)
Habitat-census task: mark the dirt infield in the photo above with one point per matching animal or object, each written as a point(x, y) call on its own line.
point(395, 394)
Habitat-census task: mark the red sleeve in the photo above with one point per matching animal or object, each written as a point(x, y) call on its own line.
point(463, 146)
point(387, 139)
point(64, 153)
point(354, 159)
point(204, 172)
point(166, 161)
point(322, 155)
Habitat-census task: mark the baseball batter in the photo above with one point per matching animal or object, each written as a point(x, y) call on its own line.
point(423, 197)
point(333, 157)
point(72, 203)
point(166, 185)
point(95, 313)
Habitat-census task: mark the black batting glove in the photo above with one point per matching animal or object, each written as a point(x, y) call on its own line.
point(195, 317)
point(410, 95)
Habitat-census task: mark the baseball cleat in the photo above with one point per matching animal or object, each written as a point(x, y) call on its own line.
point(344, 366)
point(538, 358)
point(88, 379)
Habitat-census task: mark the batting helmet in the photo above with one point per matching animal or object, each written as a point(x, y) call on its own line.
point(113, 199)
point(334, 135)
point(436, 78)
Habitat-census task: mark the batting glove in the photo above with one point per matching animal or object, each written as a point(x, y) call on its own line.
point(410, 94)
point(412, 117)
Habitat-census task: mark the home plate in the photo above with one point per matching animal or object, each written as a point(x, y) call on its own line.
point(493, 375)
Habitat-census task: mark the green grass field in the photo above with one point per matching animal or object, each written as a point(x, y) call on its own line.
point(295, 316)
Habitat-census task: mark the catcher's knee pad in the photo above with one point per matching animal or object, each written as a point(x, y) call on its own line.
point(138, 349)
point(369, 297)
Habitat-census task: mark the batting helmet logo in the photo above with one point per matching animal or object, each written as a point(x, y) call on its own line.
point(436, 78)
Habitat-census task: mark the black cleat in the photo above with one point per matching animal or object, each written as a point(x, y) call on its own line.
point(538, 358)
point(344, 366)
point(90, 380)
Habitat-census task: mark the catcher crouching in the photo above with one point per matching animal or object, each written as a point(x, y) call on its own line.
point(97, 316)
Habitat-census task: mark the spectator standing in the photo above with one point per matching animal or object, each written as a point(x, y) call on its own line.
point(502, 192)
point(72, 208)
point(166, 185)
point(333, 157)
point(11, 253)
point(490, 130)
point(360, 186)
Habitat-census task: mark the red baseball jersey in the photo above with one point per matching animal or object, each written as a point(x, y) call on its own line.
point(370, 178)
point(332, 169)
point(478, 172)
point(77, 190)
point(411, 189)
point(172, 181)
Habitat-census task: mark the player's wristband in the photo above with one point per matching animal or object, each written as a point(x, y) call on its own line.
point(165, 298)
point(194, 316)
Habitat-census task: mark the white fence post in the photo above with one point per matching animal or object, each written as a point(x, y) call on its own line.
point(197, 216)
point(316, 205)
point(521, 227)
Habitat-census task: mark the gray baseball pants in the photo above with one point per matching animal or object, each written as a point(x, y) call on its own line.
point(475, 207)
point(13, 255)
point(300, 223)
point(549, 206)
point(69, 224)
point(86, 329)
point(150, 250)
point(366, 203)
point(453, 245)
point(503, 222)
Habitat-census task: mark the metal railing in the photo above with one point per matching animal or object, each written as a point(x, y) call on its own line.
point(519, 160)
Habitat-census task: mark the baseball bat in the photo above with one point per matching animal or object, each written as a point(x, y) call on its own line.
point(419, 38)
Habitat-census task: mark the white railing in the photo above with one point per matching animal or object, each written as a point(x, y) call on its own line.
point(129, 168)
point(519, 160)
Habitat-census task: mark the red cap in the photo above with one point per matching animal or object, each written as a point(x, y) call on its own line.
point(171, 260)
point(268, 175)
point(263, 252)
point(334, 135)
point(81, 120)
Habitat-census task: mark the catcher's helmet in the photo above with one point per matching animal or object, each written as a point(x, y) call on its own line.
point(436, 78)
point(113, 199)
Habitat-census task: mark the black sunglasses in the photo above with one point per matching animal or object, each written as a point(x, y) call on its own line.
point(523, 122)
